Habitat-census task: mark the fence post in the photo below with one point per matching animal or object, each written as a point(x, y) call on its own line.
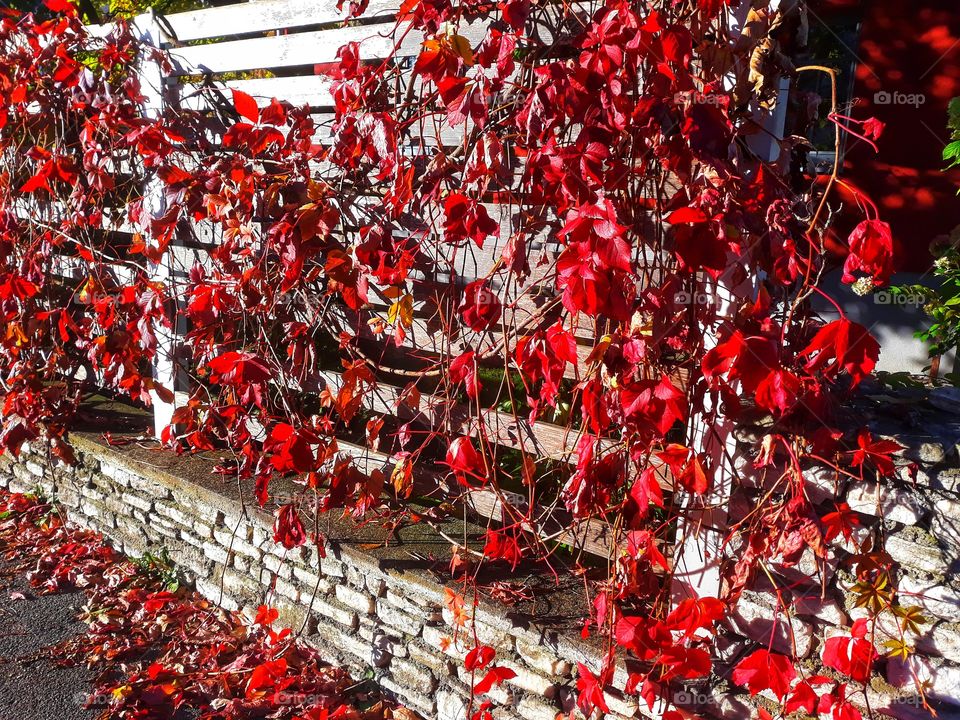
point(167, 371)
point(702, 529)
point(702, 526)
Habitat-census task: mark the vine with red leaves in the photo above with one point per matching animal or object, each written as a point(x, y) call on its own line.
point(619, 133)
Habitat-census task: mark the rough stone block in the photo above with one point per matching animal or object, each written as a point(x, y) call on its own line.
point(397, 619)
point(442, 640)
point(278, 566)
point(532, 708)
point(451, 706)
point(413, 675)
point(334, 610)
point(134, 500)
point(411, 696)
point(343, 641)
point(332, 567)
point(810, 604)
point(881, 500)
point(527, 679)
point(908, 550)
point(933, 596)
point(215, 553)
point(761, 623)
point(542, 659)
point(356, 599)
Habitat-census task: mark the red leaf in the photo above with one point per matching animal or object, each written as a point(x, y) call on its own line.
point(266, 675)
point(287, 529)
point(239, 368)
point(590, 691)
point(479, 657)
point(694, 614)
point(246, 106)
point(842, 344)
point(494, 677)
point(842, 521)
point(878, 453)
point(266, 616)
point(480, 307)
point(802, 698)
point(871, 252)
point(687, 215)
point(464, 460)
point(852, 655)
point(764, 670)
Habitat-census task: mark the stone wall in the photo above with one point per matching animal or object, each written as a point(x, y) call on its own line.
point(376, 602)
point(367, 606)
point(915, 514)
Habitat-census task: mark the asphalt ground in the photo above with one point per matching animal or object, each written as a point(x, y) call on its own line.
point(32, 686)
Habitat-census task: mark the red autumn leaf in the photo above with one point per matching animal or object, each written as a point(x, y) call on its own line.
point(871, 252)
point(501, 546)
point(288, 529)
point(643, 544)
point(464, 460)
point(463, 98)
point(266, 676)
point(693, 614)
point(803, 698)
point(687, 215)
point(646, 491)
point(853, 655)
point(764, 670)
point(290, 450)
point(842, 344)
point(878, 453)
point(645, 637)
point(239, 368)
point(479, 657)
point(779, 391)
point(590, 691)
point(873, 128)
point(466, 219)
point(480, 307)
point(266, 616)
point(246, 106)
point(463, 369)
point(494, 677)
point(842, 521)
point(694, 478)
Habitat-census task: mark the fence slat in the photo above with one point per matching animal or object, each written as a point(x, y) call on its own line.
point(280, 51)
point(264, 16)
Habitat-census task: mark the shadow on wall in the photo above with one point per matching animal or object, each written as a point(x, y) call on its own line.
point(891, 320)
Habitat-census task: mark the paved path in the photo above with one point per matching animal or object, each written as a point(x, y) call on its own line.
point(31, 686)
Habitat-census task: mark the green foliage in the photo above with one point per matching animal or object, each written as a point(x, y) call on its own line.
point(942, 303)
point(951, 153)
point(159, 568)
point(132, 8)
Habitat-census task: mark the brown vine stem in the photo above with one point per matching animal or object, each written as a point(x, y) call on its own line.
point(831, 181)
point(836, 139)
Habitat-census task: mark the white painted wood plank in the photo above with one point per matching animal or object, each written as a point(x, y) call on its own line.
point(308, 48)
point(263, 16)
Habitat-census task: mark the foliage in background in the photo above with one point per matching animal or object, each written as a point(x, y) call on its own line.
point(686, 258)
point(942, 302)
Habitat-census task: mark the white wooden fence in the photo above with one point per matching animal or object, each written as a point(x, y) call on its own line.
point(293, 36)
